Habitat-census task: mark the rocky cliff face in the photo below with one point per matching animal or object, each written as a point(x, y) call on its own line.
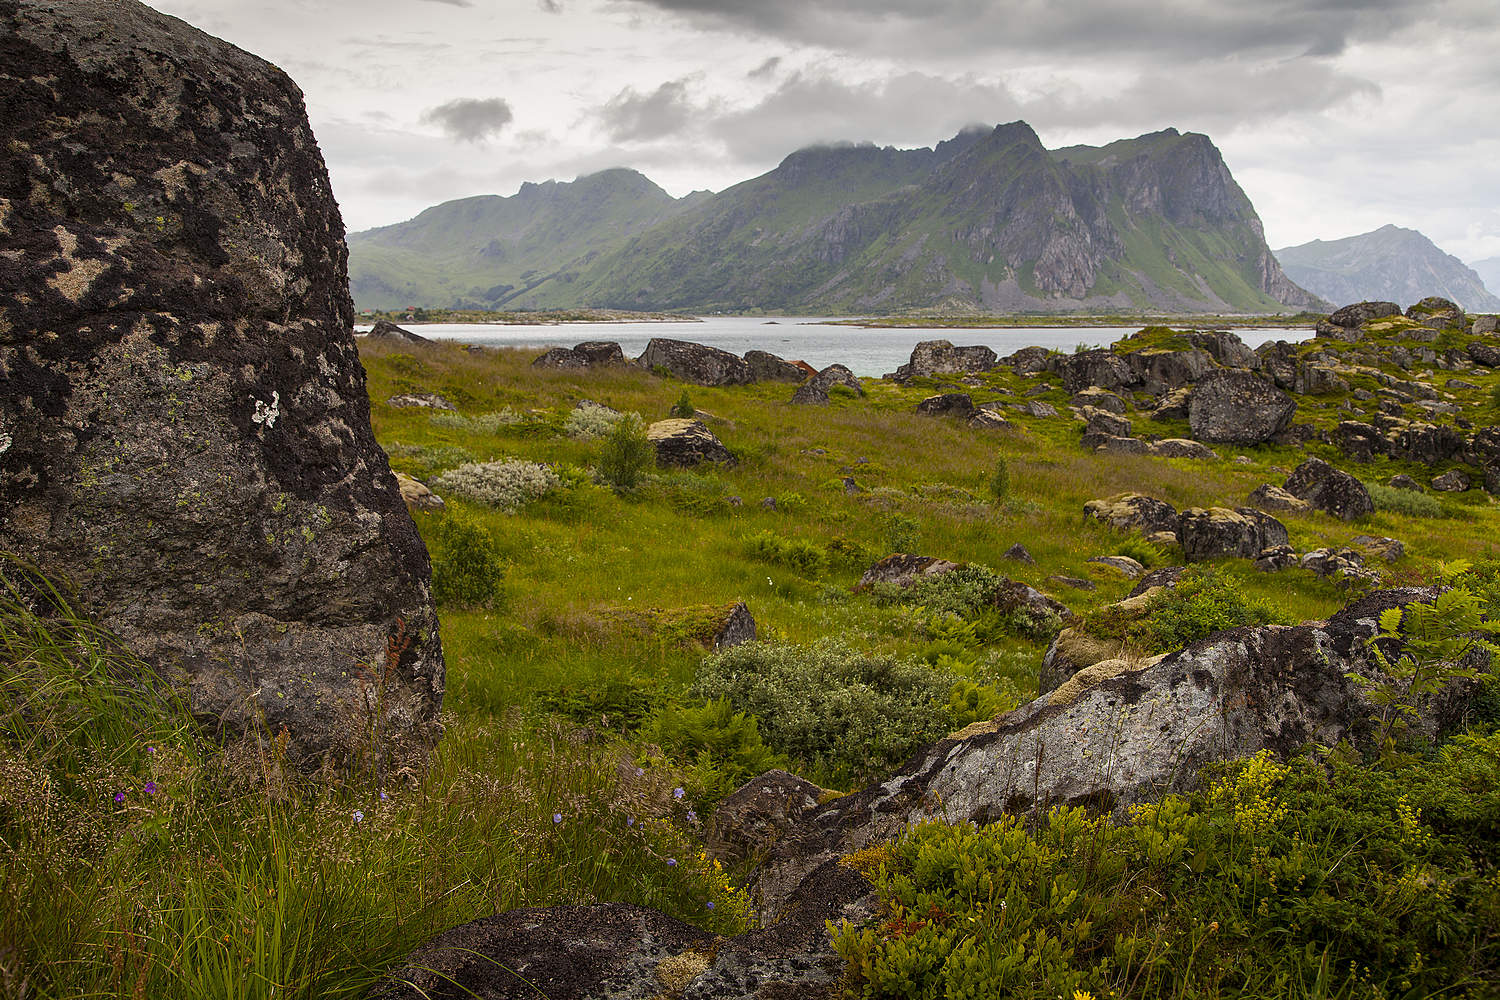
point(1391, 263)
point(184, 429)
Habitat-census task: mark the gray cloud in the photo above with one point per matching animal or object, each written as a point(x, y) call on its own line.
point(470, 119)
point(550, 6)
point(631, 116)
point(765, 69)
point(454, 3)
point(1185, 29)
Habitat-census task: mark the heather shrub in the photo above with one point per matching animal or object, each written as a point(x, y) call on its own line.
point(467, 568)
point(590, 421)
point(844, 716)
point(1407, 502)
point(480, 423)
point(719, 747)
point(628, 454)
point(805, 557)
point(508, 485)
point(1203, 602)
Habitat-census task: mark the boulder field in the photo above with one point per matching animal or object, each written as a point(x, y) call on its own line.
point(185, 434)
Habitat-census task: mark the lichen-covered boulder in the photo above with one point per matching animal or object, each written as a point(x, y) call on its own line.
point(814, 392)
point(1100, 367)
point(1268, 497)
point(560, 357)
point(185, 420)
point(416, 495)
point(947, 404)
point(752, 818)
point(767, 367)
point(697, 363)
point(1435, 312)
point(1452, 481)
point(600, 353)
point(903, 570)
point(686, 443)
point(1356, 315)
point(989, 418)
point(1329, 489)
point(1134, 511)
point(940, 357)
point(1238, 407)
point(1182, 448)
point(1219, 531)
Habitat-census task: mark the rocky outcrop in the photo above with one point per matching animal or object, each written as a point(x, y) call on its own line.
point(1101, 399)
point(600, 353)
point(419, 401)
point(185, 420)
point(814, 392)
point(1238, 407)
point(737, 626)
point(1219, 531)
point(903, 570)
point(1354, 316)
point(749, 822)
point(1268, 497)
point(384, 329)
point(948, 404)
point(1452, 481)
point(1180, 448)
point(988, 418)
point(560, 357)
point(1100, 368)
point(685, 443)
point(1159, 372)
point(939, 357)
point(695, 363)
point(767, 367)
point(1134, 512)
point(1331, 490)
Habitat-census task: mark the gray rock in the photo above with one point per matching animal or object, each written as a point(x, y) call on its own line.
point(1329, 489)
point(1361, 313)
point(695, 363)
point(1181, 448)
point(1435, 312)
point(948, 404)
point(561, 357)
point(1019, 553)
point(1037, 408)
point(1175, 405)
point(1077, 583)
point(1111, 445)
point(1160, 371)
point(384, 329)
point(1389, 549)
point(1275, 559)
point(1344, 564)
point(1165, 576)
point(738, 626)
point(686, 443)
point(986, 418)
point(1100, 367)
point(1484, 354)
point(1225, 347)
point(185, 421)
point(1030, 360)
point(750, 820)
point(1402, 481)
point(814, 392)
point(767, 367)
point(1483, 326)
point(1238, 407)
point(1101, 399)
point(600, 353)
point(1268, 497)
point(1075, 648)
point(903, 570)
point(419, 401)
point(416, 495)
point(1451, 481)
point(939, 357)
point(1219, 531)
point(1126, 566)
point(1097, 421)
point(1134, 512)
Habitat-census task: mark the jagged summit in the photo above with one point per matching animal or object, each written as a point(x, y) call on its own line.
point(1388, 264)
point(987, 220)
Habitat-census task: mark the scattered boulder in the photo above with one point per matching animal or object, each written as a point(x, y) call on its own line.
point(1238, 407)
point(1134, 512)
point(1100, 399)
point(903, 570)
point(1037, 408)
point(1019, 553)
point(685, 443)
point(1452, 481)
point(600, 353)
point(168, 235)
point(1076, 582)
point(1484, 354)
point(939, 357)
point(737, 626)
point(1100, 368)
point(1103, 422)
point(416, 494)
point(814, 392)
point(1030, 360)
point(1112, 445)
point(1126, 566)
point(1181, 448)
point(1039, 612)
point(560, 357)
point(697, 363)
point(1356, 315)
point(767, 367)
point(1342, 563)
point(1268, 497)
point(1225, 347)
point(750, 820)
point(1160, 371)
point(1484, 326)
point(419, 401)
point(1175, 405)
point(1389, 549)
point(948, 404)
point(1164, 576)
point(1402, 481)
point(384, 329)
point(1219, 531)
point(1331, 490)
point(989, 418)
point(1276, 558)
point(1435, 312)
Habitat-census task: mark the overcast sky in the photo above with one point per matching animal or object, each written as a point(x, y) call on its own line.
point(1336, 116)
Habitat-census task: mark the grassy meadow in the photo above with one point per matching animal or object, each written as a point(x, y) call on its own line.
point(589, 733)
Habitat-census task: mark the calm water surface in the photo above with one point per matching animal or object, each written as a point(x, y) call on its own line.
point(867, 352)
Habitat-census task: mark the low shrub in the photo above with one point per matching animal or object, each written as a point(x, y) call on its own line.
point(720, 748)
point(426, 461)
point(805, 557)
point(1000, 481)
point(1406, 502)
point(508, 485)
point(590, 421)
point(1203, 602)
point(1319, 878)
point(684, 409)
point(614, 703)
point(1146, 553)
point(480, 423)
point(698, 494)
point(844, 716)
point(467, 568)
point(627, 455)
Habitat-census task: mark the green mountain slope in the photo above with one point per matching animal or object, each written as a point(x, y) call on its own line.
point(987, 221)
point(1390, 264)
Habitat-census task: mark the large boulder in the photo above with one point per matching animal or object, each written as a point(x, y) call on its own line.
point(1238, 407)
point(947, 404)
point(1329, 489)
point(600, 353)
point(1101, 368)
point(1160, 372)
point(185, 423)
point(384, 329)
point(749, 822)
point(1134, 512)
point(902, 570)
point(1435, 312)
point(1219, 531)
point(939, 357)
point(814, 392)
point(1357, 315)
point(767, 367)
point(696, 363)
point(685, 443)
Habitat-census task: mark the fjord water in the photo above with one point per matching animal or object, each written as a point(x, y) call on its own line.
point(868, 352)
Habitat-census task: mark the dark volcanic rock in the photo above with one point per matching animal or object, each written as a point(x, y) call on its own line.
point(386, 330)
point(738, 626)
point(1329, 489)
point(1219, 531)
point(939, 357)
point(1484, 354)
point(1030, 360)
point(948, 404)
point(185, 420)
point(695, 362)
point(1451, 481)
point(1238, 407)
point(767, 367)
point(814, 392)
point(686, 443)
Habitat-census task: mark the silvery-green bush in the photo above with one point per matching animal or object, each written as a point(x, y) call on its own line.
point(590, 421)
point(507, 485)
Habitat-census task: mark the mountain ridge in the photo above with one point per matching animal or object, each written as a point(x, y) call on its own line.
point(1386, 264)
point(989, 220)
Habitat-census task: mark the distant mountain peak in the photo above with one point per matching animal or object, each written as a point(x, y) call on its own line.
point(1391, 263)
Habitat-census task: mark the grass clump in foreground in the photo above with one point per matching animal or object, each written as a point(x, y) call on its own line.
point(138, 861)
point(1323, 877)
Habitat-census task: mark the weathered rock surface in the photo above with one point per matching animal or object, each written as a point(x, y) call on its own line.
point(384, 329)
point(1019, 553)
point(600, 353)
point(1329, 489)
point(1075, 648)
point(814, 392)
point(1101, 368)
point(1268, 497)
point(1219, 531)
point(1134, 512)
point(1097, 421)
point(185, 420)
point(560, 357)
point(1238, 407)
point(1126, 566)
point(749, 822)
point(1451, 481)
point(416, 495)
point(1175, 405)
point(686, 443)
point(697, 363)
point(988, 418)
point(1098, 398)
point(1389, 549)
point(948, 404)
point(1181, 448)
point(767, 367)
point(1356, 315)
point(940, 357)
point(419, 401)
point(1343, 563)
point(1276, 558)
point(903, 570)
point(1159, 371)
